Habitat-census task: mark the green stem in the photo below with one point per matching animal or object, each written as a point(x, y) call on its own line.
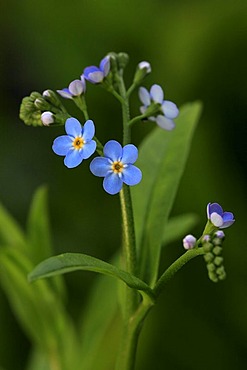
point(81, 104)
point(131, 89)
point(174, 267)
point(125, 111)
point(131, 332)
point(136, 119)
point(131, 327)
point(128, 230)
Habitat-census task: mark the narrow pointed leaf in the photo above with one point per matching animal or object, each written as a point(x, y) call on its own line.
point(10, 232)
point(37, 308)
point(162, 158)
point(69, 262)
point(39, 242)
point(38, 227)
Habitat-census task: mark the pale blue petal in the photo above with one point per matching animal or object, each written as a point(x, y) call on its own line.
point(93, 74)
point(157, 94)
point(73, 158)
point(73, 127)
point(227, 224)
point(62, 144)
point(96, 77)
point(215, 207)
point(165, 123)
point(105, 65)
point(88, 149)
point(89, 70)
point(208, 210)
point(144, 96)
point(132, 175)
point(88, 130)
point(112, 183)
point(228, 219)
point(216, 219)
point(83, 82)
point(170, 109)
point(100, 166)
point(113, 150)
point(65, 93)
point(130, 154)
point(76, 87)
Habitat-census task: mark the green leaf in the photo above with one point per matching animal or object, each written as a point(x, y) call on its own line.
point(162, 158)
point(38, 227)
point(37, 308)
point(10, 232)
point(178, 226)
point(101, 329)
point(39, 235)
point(76, 261)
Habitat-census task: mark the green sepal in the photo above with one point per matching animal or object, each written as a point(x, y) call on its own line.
point(69, 262)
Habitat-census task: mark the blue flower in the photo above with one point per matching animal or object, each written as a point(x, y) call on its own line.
point(168, 109)
point(218, 217)
point(96, 75)
point(77, 144)
point(76, 88)
point(117, 166)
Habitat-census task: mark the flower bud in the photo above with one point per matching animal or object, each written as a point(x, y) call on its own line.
point(47, 118)
point(42, 104)
point(52, 98)
point(208, 257)
point(142, 70)
point(189, 241)
point(123, 60)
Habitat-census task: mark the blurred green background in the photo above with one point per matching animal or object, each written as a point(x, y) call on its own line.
point(197, 51)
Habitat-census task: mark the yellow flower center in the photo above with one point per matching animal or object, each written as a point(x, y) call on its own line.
point(78, 143)
point(117, 167)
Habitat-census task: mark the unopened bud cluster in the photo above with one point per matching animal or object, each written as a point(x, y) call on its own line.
point(42, 109)
point(212, 246)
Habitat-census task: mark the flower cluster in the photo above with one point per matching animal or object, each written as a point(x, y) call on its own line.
point(116, 162)
point(211, 240)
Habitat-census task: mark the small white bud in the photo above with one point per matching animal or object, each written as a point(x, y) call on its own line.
point(189, 241)
point(145, 65)
point(47, 118)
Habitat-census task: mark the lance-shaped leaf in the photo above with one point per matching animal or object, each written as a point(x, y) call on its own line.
point(69, 262)
point(38, 227)
point(162, 159)
point(39, 242)
point(10, 232)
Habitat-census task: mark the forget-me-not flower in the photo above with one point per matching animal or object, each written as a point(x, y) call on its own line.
point(75, 88)
point(168, 109)
point(218, 217)
point(117, 166)
point(95, 74)
point(77, 144)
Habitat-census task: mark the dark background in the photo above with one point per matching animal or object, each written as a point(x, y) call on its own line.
point(197, 51)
